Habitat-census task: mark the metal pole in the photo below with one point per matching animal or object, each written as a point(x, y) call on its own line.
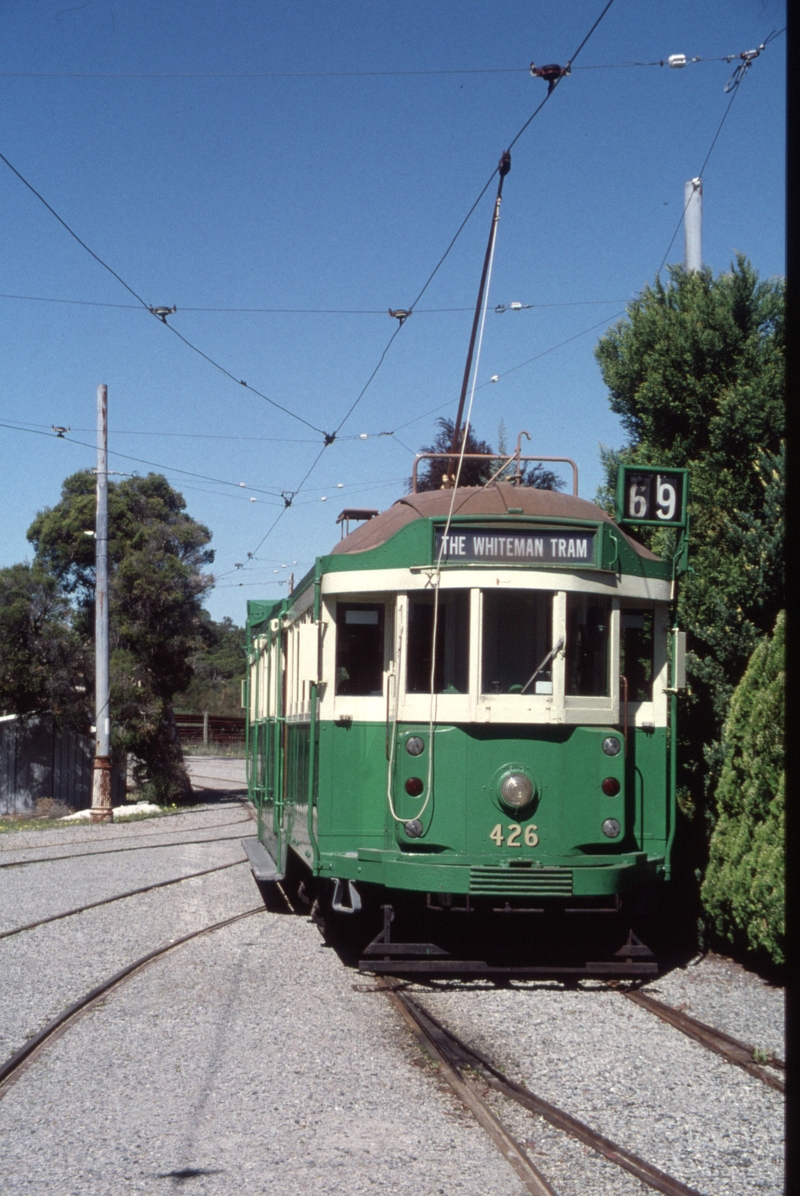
point(101, 779)
point(503, 169)
point(693, 225)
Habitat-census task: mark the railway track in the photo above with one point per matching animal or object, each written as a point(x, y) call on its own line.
point(470, 1073)
point(80, 909)
point(28, 1052)
point(133, 835)
point(74, 855)
point(732, 1049)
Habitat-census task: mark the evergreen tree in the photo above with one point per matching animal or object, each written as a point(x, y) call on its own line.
point(743, 891)
point(156, 554)
point(219, 663)
point(476, 473)
point(696, 373)
point(44, 664)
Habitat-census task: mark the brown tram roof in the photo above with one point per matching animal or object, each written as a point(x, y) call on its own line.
point(479, 501)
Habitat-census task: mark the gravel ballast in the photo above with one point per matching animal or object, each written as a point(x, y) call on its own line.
point(251, 1060)
point(634, 1079)
point(242, 1062)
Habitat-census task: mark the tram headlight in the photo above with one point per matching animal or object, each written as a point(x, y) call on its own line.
point(611, 828)
point(413, 828)
point(611, 746)
point(414, 745)
point(516, 790)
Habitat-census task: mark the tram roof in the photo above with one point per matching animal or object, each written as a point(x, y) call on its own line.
point(497, 499)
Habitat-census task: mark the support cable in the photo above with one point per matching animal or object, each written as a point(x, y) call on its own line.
point(154, 312)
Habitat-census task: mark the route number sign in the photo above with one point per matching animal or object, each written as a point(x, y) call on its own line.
point(653, 496)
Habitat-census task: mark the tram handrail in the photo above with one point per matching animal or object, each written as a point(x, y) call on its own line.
point(493, 457)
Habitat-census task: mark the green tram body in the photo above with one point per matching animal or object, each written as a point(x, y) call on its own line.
point(336, 687)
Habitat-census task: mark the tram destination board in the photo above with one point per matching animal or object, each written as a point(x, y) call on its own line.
point(653, 496)
point(491, 545)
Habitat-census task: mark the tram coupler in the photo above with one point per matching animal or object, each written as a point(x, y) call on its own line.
point(339, 889)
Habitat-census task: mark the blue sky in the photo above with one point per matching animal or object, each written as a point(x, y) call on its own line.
point(316, 160)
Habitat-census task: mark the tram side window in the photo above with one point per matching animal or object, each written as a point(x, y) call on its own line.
point(452, 643)
point(636, 653)
point(517, 631)
point(359, 649)
point(587, 657)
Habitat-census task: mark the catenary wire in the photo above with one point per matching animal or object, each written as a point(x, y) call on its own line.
point(734, 91)
point(292, 311)
point(329, 437)
point(464, 222)
point(507, 70)
point(140, 460)
point(186, 341)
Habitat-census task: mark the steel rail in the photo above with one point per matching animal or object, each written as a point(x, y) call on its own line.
point(139, 835)
point(732, 1049)
point(13, 1064)
point(77, 855)
point(449, 1068)
point(80, 909)
point(459, 1050)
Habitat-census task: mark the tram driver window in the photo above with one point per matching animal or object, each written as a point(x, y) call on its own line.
point(517, 637)
point(452, 643)
point(587, 656)
point(359, 649)
point(636, 653)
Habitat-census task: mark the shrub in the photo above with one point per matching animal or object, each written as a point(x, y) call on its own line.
point(743, 891)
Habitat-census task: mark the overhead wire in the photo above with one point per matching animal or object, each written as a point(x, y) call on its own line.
point(163, 320)
point(413, 73)
point(732, 87)
point(480, 196)
point(141, 460)
point(747, 61)
point(291, 311)
point(329, 439)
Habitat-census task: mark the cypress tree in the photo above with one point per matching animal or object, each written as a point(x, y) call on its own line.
point(743, 891)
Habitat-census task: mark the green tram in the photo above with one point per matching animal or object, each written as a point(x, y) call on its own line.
point(516, 759)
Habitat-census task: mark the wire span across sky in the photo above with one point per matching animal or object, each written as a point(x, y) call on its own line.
point(306, 197)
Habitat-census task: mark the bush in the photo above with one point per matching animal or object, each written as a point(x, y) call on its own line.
point(743, 891)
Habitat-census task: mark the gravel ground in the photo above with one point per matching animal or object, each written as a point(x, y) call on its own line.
point(245, 1061)
point(210, 773)
point(44, 970)
point(248, 1061)
point(641, 1083)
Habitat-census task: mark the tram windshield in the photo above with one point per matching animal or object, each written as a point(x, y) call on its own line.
point(636, 653)
point(452, 643)
point(517, 629)
point(587, 657)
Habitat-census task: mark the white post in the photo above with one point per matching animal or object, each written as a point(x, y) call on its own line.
point(693, 225)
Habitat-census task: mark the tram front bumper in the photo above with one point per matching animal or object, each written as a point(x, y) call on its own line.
point(552, 878)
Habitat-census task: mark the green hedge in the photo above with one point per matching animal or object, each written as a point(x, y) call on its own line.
point(743, 890)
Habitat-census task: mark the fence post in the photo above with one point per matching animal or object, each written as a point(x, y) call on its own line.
point(205, 728)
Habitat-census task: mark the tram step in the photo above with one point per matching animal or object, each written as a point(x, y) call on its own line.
point(261, 862)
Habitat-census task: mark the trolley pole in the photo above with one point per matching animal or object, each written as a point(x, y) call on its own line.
point(101, 810)
point(693, 225)
point(503, 168)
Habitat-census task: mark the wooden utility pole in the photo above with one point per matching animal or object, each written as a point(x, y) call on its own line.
point(102, 810)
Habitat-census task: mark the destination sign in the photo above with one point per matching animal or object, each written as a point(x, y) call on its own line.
point(562, 547)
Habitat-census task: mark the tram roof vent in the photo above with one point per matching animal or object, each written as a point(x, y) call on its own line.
point(356, 513)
